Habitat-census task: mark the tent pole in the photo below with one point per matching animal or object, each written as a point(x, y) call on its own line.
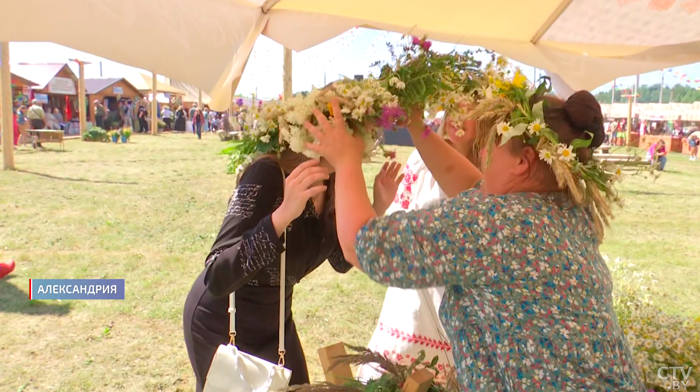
point(8, 151)
point(81, 96)
point(154, 105)
point(287, 75)
point(630, 100)
point(199, 101)
point(550, 21)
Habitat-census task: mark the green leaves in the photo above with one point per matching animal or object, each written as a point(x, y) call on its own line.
point(538, 111)
point(579, 143)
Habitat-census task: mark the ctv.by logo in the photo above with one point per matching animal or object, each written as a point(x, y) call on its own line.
point(674, 383)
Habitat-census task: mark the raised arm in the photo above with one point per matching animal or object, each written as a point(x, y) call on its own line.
point(247, 241)
point(452, 170)
point(259, 211)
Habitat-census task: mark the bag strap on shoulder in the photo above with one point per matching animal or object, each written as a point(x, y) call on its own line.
point(283, 273)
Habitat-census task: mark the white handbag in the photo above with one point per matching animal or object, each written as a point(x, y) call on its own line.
point(233, 370)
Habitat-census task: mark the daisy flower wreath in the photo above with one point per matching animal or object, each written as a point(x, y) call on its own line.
point(260, 135)
point(591, 184)
point(275, 126)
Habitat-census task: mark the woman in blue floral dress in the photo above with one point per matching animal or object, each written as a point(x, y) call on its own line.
point(528, 301)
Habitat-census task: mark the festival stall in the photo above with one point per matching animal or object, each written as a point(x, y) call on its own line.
point(110, 92)
point(55, 86)
point(21, 90)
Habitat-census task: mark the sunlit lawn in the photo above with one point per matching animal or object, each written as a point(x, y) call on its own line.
point(148, 212)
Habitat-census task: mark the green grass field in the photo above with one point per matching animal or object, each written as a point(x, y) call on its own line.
point(148, 212)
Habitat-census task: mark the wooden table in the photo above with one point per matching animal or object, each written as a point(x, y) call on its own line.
point(48, 136)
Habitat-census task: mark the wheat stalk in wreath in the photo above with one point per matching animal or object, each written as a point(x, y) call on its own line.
point(395, 375)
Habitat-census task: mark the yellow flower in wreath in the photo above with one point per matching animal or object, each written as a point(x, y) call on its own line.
point(519, 80)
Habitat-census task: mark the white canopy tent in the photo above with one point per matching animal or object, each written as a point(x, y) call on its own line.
point(206, 43)
point(581, 43)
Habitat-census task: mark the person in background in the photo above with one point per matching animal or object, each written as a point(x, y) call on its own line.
point(23, 124)
point(99, 114)
point(51, 122)
point(15, 130)
point(128, 114)
point(181, 120)
point(143, 119)
point(58, 117)
point(190, 117)
point(694, 144)
point(37, 119)
point(612, 130)
point(657, 155)
point(198, 123)
point(678, 126)
point(193, 109)
point(414, 312)
point(167, 116)
point(206, 126)
point(214, 121)
point(115, 116)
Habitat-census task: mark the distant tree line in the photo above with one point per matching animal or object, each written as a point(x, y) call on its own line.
point(650, 94)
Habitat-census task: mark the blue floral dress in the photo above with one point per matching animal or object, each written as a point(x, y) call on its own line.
point(528, 300)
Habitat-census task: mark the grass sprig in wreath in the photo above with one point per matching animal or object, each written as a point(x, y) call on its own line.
point(393, 379)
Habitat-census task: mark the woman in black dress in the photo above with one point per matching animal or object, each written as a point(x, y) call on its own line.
point(245, 258)
point(180, 119)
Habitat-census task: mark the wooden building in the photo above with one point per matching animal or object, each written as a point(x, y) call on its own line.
point(110, 92)
point(55, 86)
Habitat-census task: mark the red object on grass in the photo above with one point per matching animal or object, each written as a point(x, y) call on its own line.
point(6, 268)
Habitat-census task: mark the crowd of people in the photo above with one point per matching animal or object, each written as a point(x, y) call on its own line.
point(197, 119)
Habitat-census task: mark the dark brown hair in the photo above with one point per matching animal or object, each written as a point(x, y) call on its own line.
point(575, 118)
point(288, 160)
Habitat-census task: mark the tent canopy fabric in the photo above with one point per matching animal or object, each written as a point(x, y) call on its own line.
point(580, 43)
point(192, 92)
point(143, 83)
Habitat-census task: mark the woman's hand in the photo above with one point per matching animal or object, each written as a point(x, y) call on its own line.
point(416, 125)
point(334, 141)
point(386, 183)
point(302, 184)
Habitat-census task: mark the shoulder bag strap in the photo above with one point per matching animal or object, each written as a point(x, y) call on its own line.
point(283, 273)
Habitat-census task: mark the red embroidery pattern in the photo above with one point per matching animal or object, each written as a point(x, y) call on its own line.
point(416, 339)
point(661, 5)
point(405, 193)
point(691, 6)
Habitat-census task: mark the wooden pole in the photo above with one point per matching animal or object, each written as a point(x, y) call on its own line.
point(8, 148)
point(154, 105)
point(287, 75)
point(630, 100)
point(199, 101)
point(613, 91)
point(82, 116)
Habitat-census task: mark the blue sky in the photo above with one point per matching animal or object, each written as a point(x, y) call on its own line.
point(346, 55)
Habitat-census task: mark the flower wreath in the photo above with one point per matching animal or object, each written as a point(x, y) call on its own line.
point(276, 126)
point(508, 108)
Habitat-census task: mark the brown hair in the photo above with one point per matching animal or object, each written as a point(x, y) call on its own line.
point(579, 117)
point(288, 160)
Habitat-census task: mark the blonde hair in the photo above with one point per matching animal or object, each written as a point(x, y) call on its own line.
point(569, 119)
